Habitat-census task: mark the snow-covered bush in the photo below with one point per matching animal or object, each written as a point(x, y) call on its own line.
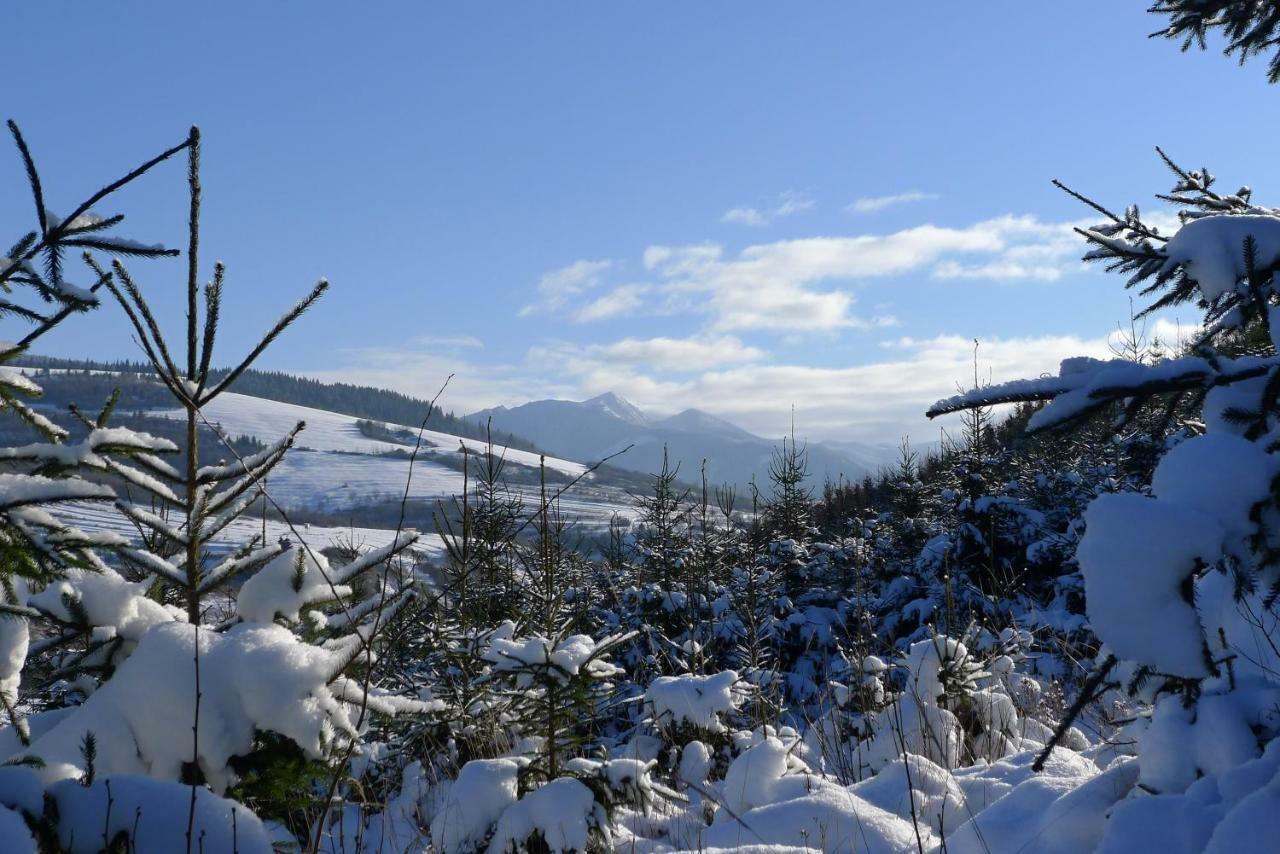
point(960, 701)
point(552, 689)
point(473, 803)
point(694, 704)
point(561, 816)
point(693, 716)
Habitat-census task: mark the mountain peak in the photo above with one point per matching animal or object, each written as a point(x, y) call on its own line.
point(618, 406)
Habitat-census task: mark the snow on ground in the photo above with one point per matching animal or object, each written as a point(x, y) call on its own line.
point(103, 517)
point(330, 431)
point(333, 481)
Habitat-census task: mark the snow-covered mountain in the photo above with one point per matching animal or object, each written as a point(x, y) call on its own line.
point(593, 429)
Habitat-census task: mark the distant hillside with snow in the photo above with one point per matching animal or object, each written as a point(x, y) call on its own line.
point(340, 471)
point(334, 467)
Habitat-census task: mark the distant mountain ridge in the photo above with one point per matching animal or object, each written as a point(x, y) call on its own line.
point(593, 429)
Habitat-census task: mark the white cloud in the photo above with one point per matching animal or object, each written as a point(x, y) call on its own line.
point(776, 285)
point(448, 343)
point(1042, 252)
point(666, 355)
point(420, 372)
point(879, 401)
point(558, 286)
point(789, 203)
point(618, 301)
point(792, 203)
point(874, 204)
point(1001, 269)
point(744, 216)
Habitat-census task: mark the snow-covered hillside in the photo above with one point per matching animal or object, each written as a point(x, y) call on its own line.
point(334, 466)
point(330, 431)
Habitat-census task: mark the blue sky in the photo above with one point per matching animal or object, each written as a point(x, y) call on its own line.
point(738, 206)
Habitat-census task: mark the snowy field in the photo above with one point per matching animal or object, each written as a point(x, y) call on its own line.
point(334, 466)
point(330, 431)
point(96, 516)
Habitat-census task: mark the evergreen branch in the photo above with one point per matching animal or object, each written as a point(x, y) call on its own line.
point(157, 566)
point(153, 326)
point(141, 481)
point(212, 310)
point(252, 463)
point(7, 307)
point(33, 177)
point(1088, 201)
point(372, 558)
point(143, 338)
point(1088, 693)
point(228, 514)
point(19, 611)
point(234, 565)
point(92, 227)
point(283, 323)
point(153, 522)
point(193, 247)
point(66, 311)
point(19, 255)
point(157, 466)
point(121, 182)
point(121, 247)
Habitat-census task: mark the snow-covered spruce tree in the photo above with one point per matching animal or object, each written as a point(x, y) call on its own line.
point(662, 530)
point(479, 531)
point(907, 500)
point(519, 754)
point(483, 591)
point(1181, 585)
point(655, 598)
point(975, 553)
point(749, 620)
point(787, 515)
point(790, 507)
point(41, 554)
point(711, 537)
point(820, 581)
point(692, 716)
point(899, 509)
point(288, 664)
point(553, 686)
point(36, 547)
